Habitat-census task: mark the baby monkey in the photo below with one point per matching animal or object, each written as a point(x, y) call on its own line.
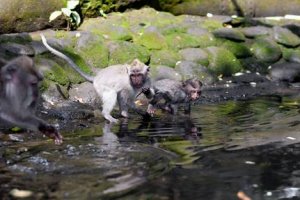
point(172, 93)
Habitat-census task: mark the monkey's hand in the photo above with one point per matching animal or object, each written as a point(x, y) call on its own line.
point(151, 109)
point(51, 132)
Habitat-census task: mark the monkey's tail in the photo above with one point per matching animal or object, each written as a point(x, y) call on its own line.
point(63, 56)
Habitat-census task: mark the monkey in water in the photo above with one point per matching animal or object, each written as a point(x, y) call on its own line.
point(116, 83)
point(172, 93)
point(19, 95)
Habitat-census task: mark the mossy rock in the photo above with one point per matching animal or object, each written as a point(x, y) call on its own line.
point(124, 52)
point(165, 57)
point(182, 40)
point(195, 55)
point(159, 72)
point(291, 55)
point(20, 38)
point(151, 40)
point(92, 48)
point(286, 37)
point(229, 33)
point(222, 61)
point(211, 24)
point(240, 50)
point(108, 28)
point(266, 50)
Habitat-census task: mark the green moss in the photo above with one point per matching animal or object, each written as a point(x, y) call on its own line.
point(211, 24)
point(151, 40)
point(182, 40)
point(222, 61)
point(240, 50)
point(266, 50)
point(165, 57)
point(112, 31)
point(125, 52)
point(292, 55)
point(57, 74)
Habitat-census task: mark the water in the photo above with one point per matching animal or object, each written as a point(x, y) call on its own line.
point(251, 147)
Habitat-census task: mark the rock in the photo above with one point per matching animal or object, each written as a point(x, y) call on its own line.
point(248, 78)
point(159, 72)
point(197, 31)
point(240, 50)
point(124, 52)
point(194, 54)
point(291, 55)
point(222, 61)
point(84, 93)
point(18, 49)
point(15, 37)
point(229, 33)
point(266, 50)
point(151, 40)
point(55, 93)
point(165, 57)
point(27, 15)
point(38, 47)
point(286, 37)
point(182, 40)
point(289, 72)
point(190, 69)
point(255, 31)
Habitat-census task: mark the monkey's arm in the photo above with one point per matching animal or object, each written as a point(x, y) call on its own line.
point(33, 123)
point(187, 108)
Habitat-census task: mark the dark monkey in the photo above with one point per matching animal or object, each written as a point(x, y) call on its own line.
point(116, 83)
point(173, 93)
point(19, 95)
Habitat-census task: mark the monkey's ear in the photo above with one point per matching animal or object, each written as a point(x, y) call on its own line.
point(8, 71)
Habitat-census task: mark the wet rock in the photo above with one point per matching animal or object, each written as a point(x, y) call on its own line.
point(266, 50)
point(289, 72)
point(165, 57)
point(248, 78)
point(286, 37)
point(255, 31)
point(194, 54)
point(222, 61)
point(125, 52)
point(162, 72)
point(197, 31)
point(151, 40)
point(18, 49)
point(229, 33)
point(190, 69)
point(254, 65)
point(38, 47)
point(55, 93)
point(84, 93)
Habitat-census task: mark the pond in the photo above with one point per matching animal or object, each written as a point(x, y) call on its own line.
point(246, 147)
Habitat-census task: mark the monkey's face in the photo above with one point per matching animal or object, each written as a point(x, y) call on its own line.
point(193, 92)
point(137, 80)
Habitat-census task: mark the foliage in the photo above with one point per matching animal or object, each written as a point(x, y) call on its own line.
point(69, 12)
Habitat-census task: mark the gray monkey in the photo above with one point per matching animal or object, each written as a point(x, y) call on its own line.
point(116, 83)
point(168, 94)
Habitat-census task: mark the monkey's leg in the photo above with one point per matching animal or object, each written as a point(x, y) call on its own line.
point(109, 98)
point(173, 108)
point(187, 108)
point(123, 100)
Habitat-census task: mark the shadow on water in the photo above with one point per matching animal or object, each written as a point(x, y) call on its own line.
point(220, 149)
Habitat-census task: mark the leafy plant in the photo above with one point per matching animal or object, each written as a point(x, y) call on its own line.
point(72, 16)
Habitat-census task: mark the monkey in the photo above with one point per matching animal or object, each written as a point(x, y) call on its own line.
point(174, 93)
point(115, 84)
point(19, 94)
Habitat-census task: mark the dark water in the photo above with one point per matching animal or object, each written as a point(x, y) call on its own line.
point(221, 149)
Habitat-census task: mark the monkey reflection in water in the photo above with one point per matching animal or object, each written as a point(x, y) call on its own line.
point(168, 94)
point(115, 84)
point(19, 95)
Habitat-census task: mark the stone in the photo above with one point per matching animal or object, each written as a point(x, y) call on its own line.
point(255, 31)
point(289, 72)
point(159, 72)
point(229, 33)
point(18, 49)
point(194, 54)
point(286, 37)
point(266, 50)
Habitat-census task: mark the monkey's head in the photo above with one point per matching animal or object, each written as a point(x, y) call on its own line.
point(138, 73)
point(192, 88)
point(19, 79)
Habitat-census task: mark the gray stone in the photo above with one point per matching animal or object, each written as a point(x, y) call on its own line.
point(266, 50)
point(190, 69)
point(289, 72)
point(84, 93)
point(194, 54)
point(229, 33)
point(159, 72)
point(255, 31)
point(18, 49)
point(286, 37)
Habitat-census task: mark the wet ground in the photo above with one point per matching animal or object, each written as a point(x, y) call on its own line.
point(250, 145)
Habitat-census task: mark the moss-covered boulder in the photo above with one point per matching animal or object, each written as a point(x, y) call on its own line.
point(222, 61)
point(124, 52)
point(27, 15)
point(266, 50)
point(255, 31)
point(151, 40)
point(286, 37)
point(182, 40)
point(240, 50)
point(229, 33)
point(196, 55)
point(92, 48)
point(165, 57)
point(291, 55)
point(159, 72)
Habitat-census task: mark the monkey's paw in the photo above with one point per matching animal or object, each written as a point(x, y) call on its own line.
point(51, 132)
point(151, 110)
